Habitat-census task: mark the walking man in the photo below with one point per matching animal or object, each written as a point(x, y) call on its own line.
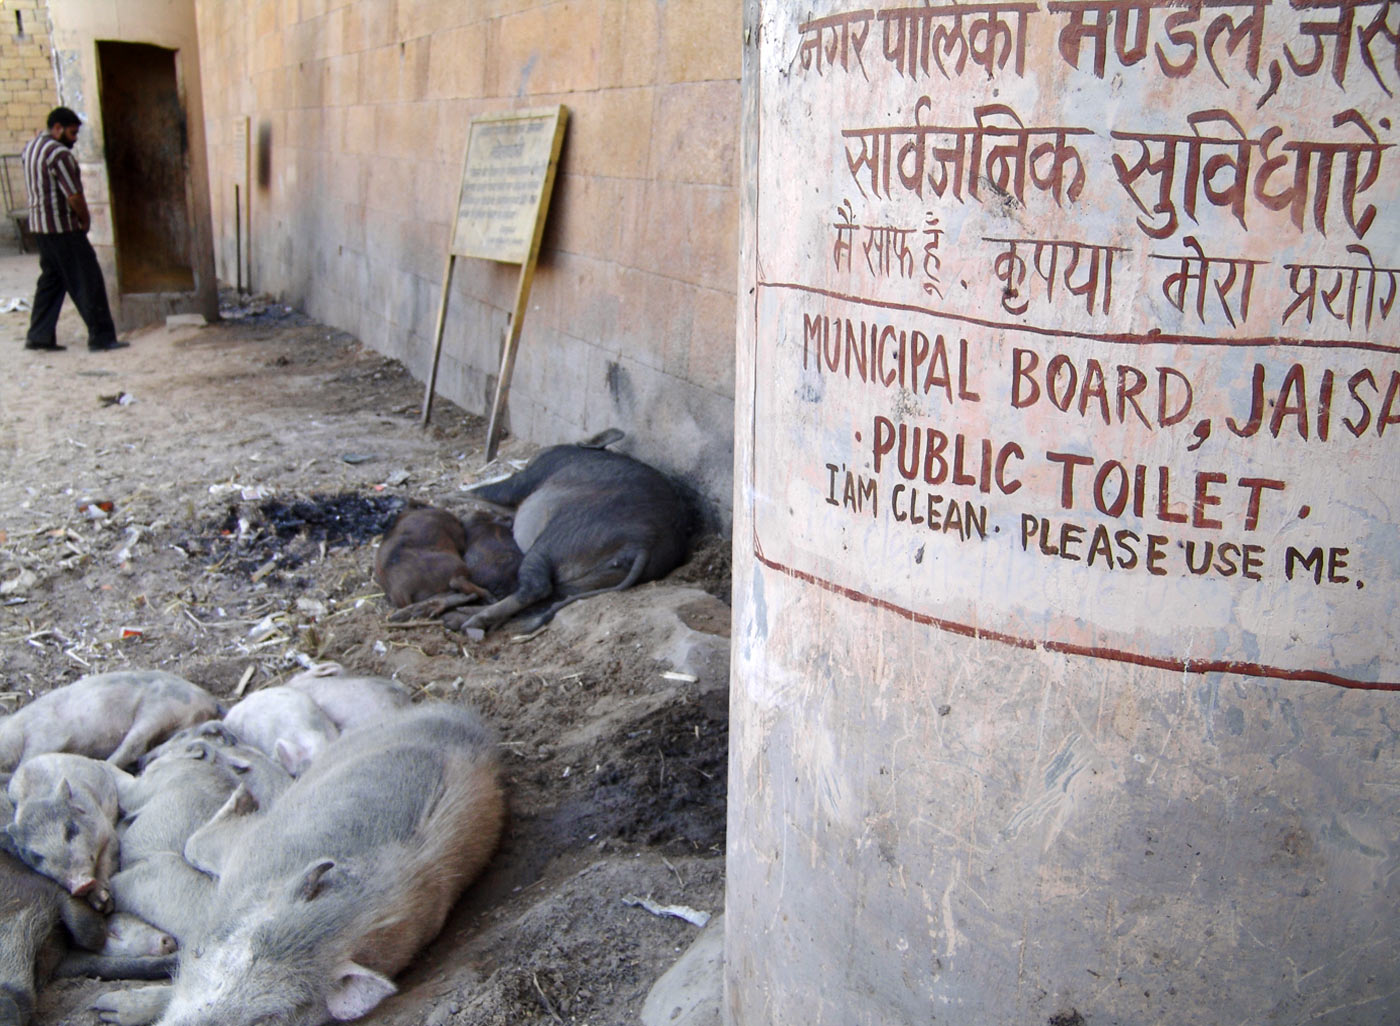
point(59, 220)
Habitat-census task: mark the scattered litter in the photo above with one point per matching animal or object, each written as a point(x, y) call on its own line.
point(248, 493)
point(133, 632)
point(247, 307)
point(397, 478)
point(262, 571)
point(512, 467)
point(688, 678)
point(520, 639)
point(185, 320)
point(313, 608)
point(133, 535)
point(26, 580)
point(119, 399)
point(266, 627)
point(243, 681)
point(690, 915)
point(380, 648)
point(16, 305)
point(96, 509)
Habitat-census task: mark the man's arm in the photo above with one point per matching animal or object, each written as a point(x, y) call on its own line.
point(80, 209)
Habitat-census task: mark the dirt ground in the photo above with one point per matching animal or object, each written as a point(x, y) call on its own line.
point(206, 502)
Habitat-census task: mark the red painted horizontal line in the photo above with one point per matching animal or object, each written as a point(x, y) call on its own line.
point(1096, 652)
point(1114, 338)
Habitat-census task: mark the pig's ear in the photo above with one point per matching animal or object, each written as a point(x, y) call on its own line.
point(65, 791)
point(356, 991)
point(238, 764)
point(293, 757)
point(314, 880)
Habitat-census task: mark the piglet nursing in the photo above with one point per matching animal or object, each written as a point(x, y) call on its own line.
point(326, 894)
point(113, 716)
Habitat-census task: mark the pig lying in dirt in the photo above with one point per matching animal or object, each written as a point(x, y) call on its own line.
point(165, 890)
point(171, 799)
point(213, 740)
point(492, 557)
point(130, 935)
point(420, 560)
point(65, 819)
point(588, 521)
point(282, 723)
point(32, 910)
point(332, 889)
point(112, 716)
point(348, 700)
point(176, 794)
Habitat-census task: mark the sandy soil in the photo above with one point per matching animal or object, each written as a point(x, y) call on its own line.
point(248, 467)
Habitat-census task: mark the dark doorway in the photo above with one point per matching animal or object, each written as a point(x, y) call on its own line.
point(143, 129)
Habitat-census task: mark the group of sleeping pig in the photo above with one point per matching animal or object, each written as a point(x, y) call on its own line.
point(282, 859)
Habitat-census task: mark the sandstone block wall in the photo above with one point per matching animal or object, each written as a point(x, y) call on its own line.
point(26, 84)
point(357, 119)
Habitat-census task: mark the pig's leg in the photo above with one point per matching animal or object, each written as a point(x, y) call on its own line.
point(133, 1007)
point(206, 847)
point(534, 583)
point(85, 924)
point(634, 574)
point(15, 1005)
point(145, 732)
point(117, 967)
point(438, 604)
point(11, 745)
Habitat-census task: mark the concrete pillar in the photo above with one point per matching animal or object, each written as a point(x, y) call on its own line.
point(1065, 654)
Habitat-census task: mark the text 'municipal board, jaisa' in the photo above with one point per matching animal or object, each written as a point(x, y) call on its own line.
point(1078, 327)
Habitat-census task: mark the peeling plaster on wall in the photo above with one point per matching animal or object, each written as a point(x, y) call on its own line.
point(68, 73)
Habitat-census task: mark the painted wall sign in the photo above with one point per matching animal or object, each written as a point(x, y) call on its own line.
point(1079, 324)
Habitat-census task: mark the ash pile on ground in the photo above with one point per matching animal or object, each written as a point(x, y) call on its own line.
point(282, 535)
point(613, 721)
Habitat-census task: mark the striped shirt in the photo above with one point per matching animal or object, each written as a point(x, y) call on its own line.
point(51, 176)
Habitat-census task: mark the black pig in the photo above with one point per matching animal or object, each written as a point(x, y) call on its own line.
point(588, 521)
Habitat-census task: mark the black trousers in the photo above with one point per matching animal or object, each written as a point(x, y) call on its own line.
point(68, 265)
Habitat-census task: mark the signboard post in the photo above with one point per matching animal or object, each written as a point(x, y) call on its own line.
point(507, 180)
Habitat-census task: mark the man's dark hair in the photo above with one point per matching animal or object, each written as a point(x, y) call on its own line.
point(63, 116)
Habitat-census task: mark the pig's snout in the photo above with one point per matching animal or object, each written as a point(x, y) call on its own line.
point(166, 945)
point(82, 886)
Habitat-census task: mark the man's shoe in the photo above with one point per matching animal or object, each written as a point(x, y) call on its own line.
point(52, 347)
point(107, 347)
